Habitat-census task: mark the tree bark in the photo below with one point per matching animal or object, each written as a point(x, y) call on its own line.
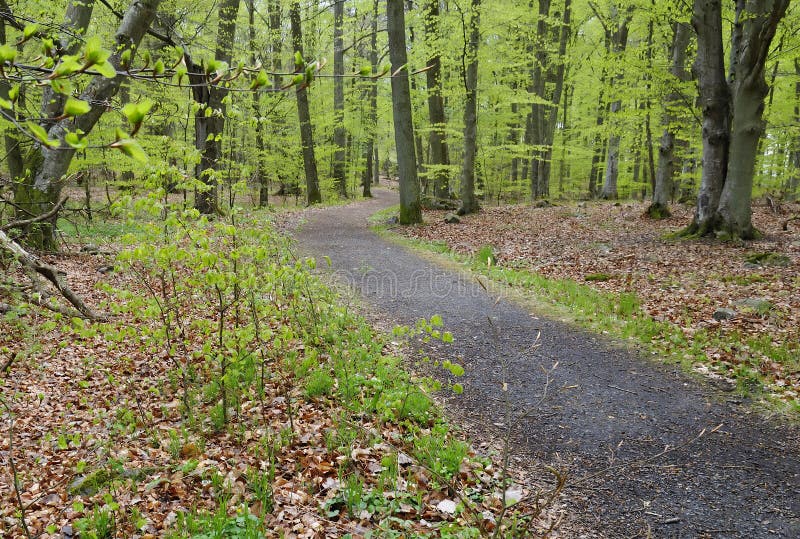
point(313, 195)
point(370, 151)
point(50, 165)
point(339, 131)
point(410, 211)
point(439, 158)
point(260, 176)
point(469, 203)
point(209, 129)
point(667, 164)
point(619, 42)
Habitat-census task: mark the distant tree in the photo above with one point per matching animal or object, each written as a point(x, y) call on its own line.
point(469, 203)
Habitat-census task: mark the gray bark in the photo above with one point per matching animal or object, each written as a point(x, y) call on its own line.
point(667, 165)
point(619, 42)
point(339, 131)
point(469, 203)
point(370, 152)
point(260, 176)
point(439, 157)
point(313, 195)
point(538, 89)
point(53, 164)
point(410, 211)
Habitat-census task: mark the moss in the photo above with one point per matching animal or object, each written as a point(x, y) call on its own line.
point(658, 211)
point(768, 259)
point(598, 277)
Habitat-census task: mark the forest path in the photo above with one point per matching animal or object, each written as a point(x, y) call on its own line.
point(607, 406)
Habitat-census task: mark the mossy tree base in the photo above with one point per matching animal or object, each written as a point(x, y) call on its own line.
point(658, 211)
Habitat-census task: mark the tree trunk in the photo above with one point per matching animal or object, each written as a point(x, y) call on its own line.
point(49, 166)
point(410, 211)
point(748, 90)
point(339, 131)
point(439, 158)
point(370, 151)
point(667, 165)
point(790, 191)
point(260, 176)
point(313, 195)
point(619, 42)
point(209, 129)
point(538, 89)
point(732, 112)
point(469, 203)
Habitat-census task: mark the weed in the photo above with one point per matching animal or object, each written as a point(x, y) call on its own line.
point(319, 383)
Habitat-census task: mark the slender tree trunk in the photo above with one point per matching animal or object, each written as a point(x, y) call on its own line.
point(790, 191)
point(667, 163)
point(619, 42)
point(469, 203)
point(410, 211)
point(208, 129)
point(261, 178)
point(439, 158)
point(370, 151)
point(49, 166)
point(538, 89)
point(339, 131)
point(313, 195)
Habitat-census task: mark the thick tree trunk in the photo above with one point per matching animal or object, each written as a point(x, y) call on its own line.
point(410, 211)
point(339, 131)
point(313, 195)
point(667, 165)
point(790, 191)
point(732, 112)
point(748, 90)
point(469, 203)
point(439, 158)
point(49, 166)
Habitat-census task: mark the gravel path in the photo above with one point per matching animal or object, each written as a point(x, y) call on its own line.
point(607, 406)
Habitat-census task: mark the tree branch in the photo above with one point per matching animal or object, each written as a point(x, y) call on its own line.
point(25, 222)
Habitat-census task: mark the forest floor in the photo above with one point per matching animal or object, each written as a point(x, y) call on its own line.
point(650, 450)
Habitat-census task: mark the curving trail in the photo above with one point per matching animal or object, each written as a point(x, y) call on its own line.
point(607, 405)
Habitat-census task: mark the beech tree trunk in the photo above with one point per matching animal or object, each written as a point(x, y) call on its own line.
point(439, 158)
point(732, 112)
point(619, 42)
point(49, 166)
point(313, 195)
point(469, 203)
point(410, 210)
point(260, 176)
point(372, 105)
point(667, 164)
point(339, 131)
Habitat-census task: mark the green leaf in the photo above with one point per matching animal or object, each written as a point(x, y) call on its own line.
point(93, 52)
point(136, 112)
point(298, 79)
point(47, 46)
point(41, 135)
point(158, 68)
point(29, 30)
point(13, 93)
point(298, 60)
point(261, 80)
point(76, 141)
point(180, 74)
point(366, 71)
point(458, 389)
point(76, 107)
point(7, 53)
point(8, 105)
point(131, 148)
point(67, 66)
point(106, 69)
point(61, 86)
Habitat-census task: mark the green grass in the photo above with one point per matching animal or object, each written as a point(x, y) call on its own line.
point(621, 316)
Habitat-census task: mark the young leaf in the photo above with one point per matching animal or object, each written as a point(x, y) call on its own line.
point(76, 107)
point(8, 105)
point(76, 141)
point(131, 148)
point(298, 61)
point(41, 135)
point(260, 80)
point(366, 71)
point(106, 69)
point(7, 53)
point(61, 86)
point(158, 68)
point(29, 30)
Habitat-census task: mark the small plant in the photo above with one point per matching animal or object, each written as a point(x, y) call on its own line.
point(485, 256)
point(598, 277)
point(319, 383)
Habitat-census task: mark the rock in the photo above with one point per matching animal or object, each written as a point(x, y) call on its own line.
point(759, 305)
point(90, 249)
point(105, 269)
point(451, 218)
point(581, 204)
point(542, 204)
point(724, 314)
point(751, 266)
point(393, 220)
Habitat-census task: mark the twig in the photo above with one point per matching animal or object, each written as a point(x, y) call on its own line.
point(622, 389)
point(45, 216)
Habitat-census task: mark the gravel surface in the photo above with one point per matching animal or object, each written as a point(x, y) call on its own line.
point(607, 408)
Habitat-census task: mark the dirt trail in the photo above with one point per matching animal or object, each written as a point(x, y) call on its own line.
point(607, 406)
